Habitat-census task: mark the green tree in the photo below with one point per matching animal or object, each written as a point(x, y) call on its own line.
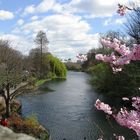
point(57, 68)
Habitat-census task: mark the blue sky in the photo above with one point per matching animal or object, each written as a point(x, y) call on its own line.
point(71, 26)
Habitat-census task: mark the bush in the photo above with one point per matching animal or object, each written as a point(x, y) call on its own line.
point(51, 75)
point(29, 125)
point(124, 83)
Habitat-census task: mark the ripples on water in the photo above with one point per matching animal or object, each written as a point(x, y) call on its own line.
point(68, 111)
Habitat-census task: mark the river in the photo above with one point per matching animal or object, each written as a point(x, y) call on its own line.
point(68, 111)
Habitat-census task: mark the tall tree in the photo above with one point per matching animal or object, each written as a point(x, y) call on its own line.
point(42, 42)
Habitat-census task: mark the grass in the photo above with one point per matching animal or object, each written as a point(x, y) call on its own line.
point(41, 82)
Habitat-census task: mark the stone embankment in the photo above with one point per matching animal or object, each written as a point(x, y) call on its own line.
point(8, 134)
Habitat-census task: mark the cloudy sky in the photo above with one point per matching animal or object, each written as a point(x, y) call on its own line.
point(71, 26)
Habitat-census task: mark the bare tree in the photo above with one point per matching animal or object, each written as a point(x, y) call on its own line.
point(133, 25)
point(42, 42)
point(10, 70)
point(34, 60)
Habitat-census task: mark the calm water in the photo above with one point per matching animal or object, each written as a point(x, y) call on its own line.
point(69, 112)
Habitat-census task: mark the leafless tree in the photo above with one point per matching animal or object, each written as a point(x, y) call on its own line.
point(34, 60)
point(10, 70)
point(133, 24)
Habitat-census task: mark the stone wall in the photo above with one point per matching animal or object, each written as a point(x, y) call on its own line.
point(8, 134)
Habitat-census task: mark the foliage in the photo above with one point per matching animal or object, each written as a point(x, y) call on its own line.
point(91, 60)
point(125, 83)
point(52, 67)
point(73, 66)
point(40, 82)
point(56, 66)
point(29, 125)
point(15, 106)
point(125, 117)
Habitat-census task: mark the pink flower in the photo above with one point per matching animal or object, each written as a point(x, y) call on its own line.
point(136, 102)
point(124, 57)
point(120, 138)
point(125, 99)
point(122, 9)
point(99, 57)
point(102, 106)
point(82, 57)
point(129, 119)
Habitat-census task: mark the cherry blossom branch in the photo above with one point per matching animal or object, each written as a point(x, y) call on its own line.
point(122, 9)
point(125, 54)
point(129, 119)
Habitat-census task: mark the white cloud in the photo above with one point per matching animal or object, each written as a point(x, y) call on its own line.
point(120, 21)
point(91, 8)
point(20, 22)
point(20, 43)
point(34, 18)
point(112, 21)
point(29, 9)
point(95, 8)
point(44, 6)
point(57, 23)
point(6, 15)
point(68, 34)
point(107, 22)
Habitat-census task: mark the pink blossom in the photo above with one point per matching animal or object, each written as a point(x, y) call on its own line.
point(129, 119)
point(120, 138)
point(82, 57)
point(136, 103)
point(136, 52)
point(99, 57)
point(102, 106)
point(125, 99)
point(125, 54)
point(115, 69)
point(122, 9)
point(125, 117)
point(100, 139)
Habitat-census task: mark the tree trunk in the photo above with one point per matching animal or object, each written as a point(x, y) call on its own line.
point(7, 108)
point(8, 100)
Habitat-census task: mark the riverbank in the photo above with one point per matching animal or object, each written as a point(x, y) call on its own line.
point(8, 134)
point(41, 82)
point(28, 125)
point(36, 83)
